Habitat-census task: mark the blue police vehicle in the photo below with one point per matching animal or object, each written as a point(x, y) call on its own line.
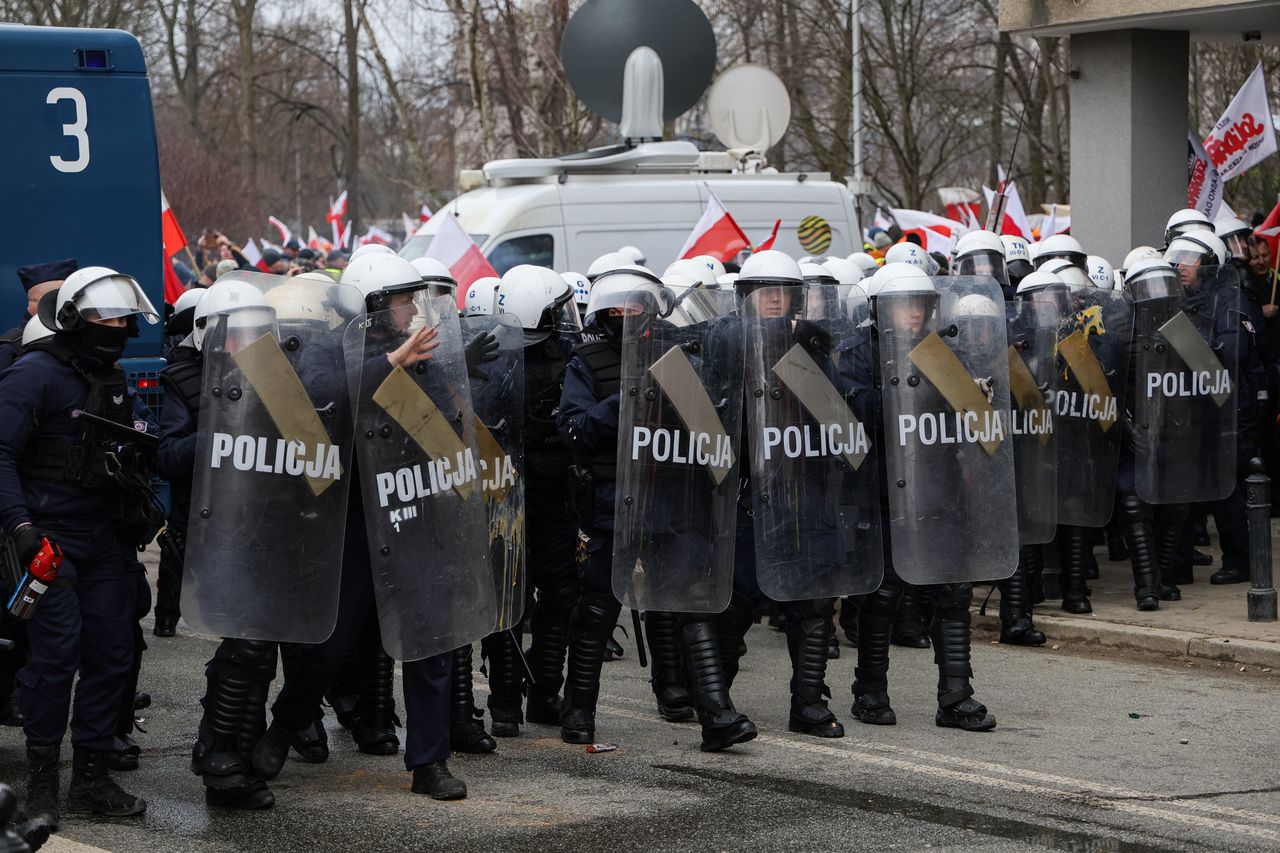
point(80, 176)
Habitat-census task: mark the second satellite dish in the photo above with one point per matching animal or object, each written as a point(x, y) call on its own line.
point(749, 108)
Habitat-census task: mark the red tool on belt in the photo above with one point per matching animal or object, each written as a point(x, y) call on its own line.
point(39, 576)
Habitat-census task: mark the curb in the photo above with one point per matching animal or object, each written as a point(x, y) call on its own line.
point(1183, 644)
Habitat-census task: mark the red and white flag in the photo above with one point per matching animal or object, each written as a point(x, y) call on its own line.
point(767, 243)
point(424, 213)
point(170, 231)
point(716, 234)
point(285, 234)
point(337, 209)
point(253, 256)
point(453, 247)
point(1204, 181)
point(173, 287)
point(1015, 220)
point(1244, 136)
point(879, 220)
point(410, 227)
point(1053, 223)
point(962, 204)
point(937, 233)
point(345, 242)
point(315, 241)
point(375, 235)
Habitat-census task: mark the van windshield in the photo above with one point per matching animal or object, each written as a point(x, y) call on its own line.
point(416, 247)
point(536, 249)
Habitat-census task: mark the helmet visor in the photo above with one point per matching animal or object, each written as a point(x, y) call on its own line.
point(624, 294)
point(113, 297)
point(982, 263)
point(769, 300)
point(1154, 284)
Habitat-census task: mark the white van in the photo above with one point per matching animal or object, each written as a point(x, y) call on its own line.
point(565, 212)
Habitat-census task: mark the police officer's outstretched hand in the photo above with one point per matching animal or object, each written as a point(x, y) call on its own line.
point(27, 541)
point(417, 348)
point(483, 347)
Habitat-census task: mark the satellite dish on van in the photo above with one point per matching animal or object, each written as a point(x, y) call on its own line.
point(749, 108)
point(602, 35)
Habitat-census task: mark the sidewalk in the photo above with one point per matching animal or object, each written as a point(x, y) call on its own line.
point(1209, 622)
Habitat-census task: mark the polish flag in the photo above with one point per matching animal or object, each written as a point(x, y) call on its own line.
point(337, 209)
point(172, 284)
point(315, 241)
point(170, 231)
point(253, 256)
point(410, 227)
point(375, 235)
point(453, 247)
point(345, 242)
point(1054, 224)
point(716, 234)
point(424, 214)
point(937, 233)
point(767, 243)
point(1015, 218)
point(285, 234)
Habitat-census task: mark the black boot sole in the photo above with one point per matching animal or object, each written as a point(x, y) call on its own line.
point(744, 734)
point(501, 729)
point(945, 720)
point(1024, 638)
point(241, 801)
point(825, 729)
point(676, 715)
point(36, 833)
point(76, 805)
point(577, 735)
point(1146, 605)
point(1078, 607)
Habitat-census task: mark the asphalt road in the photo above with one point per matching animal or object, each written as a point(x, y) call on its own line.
point(1068, 768)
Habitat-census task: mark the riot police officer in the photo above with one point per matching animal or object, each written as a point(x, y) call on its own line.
point(61, 478)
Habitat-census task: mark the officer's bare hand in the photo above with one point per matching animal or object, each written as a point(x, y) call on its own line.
point(987, 387)
point(1269, 311)
point(418, 348)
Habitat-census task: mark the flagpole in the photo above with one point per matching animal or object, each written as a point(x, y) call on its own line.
point(859, 176)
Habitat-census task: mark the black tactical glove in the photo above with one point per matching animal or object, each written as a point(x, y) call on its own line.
point(483, 347)
point(27, 541)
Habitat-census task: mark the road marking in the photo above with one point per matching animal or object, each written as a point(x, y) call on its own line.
point(1095, 795)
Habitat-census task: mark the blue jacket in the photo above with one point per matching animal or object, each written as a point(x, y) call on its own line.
point(588, 423)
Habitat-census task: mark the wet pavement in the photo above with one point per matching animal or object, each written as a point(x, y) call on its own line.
point(1070, 767)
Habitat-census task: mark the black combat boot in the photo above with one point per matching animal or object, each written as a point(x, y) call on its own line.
point(675, 705)
point(1171, 526)
point(549, 643)
point(871, 675)
point(466, 727)
point(1016, 627)
point(40, 818)
point(722, 724)
point(92, 788)
point(909, 623)
point(375, 733)
point(732, 625)
point(1140, 540)
point(437, 782)
point(1073, 568)
point(590, 630)
point(219, 756)
point(951, 646)
point(506, 682)
point(808, 637)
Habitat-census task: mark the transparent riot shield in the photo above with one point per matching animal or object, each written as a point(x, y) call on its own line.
point(1185, 389)
point(495, 364)
point(421, 478)
point(945, 390)
point(815, 486)
point(678, 443)
point(1093, 360)
point(1034, 321)
point(273, 457)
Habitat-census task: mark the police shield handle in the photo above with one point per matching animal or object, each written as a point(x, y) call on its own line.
point(409, 406)
point(680, 383)
point(1025, 391)
point(1194, 351)
point(941, 367)
point(1084, 365)
point(491, 456)
point(265, 368)
point(816, 393)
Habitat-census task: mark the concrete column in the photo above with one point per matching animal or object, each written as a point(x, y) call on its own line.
point(1128, 137)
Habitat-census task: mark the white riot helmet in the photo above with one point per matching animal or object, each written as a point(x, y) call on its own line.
point(1140, 253)
point(604, 263)
point(633, 255)
point(1061, 246)
point(1072, 275)
point(694, 269)
point(35, 330)
point(249, 315)
point(896, 286)
point(767, 271)
point(979, 314)
point(1201, 247)
point(980, 253)
point(868, 263)
point(729, 279)
point(909, 253)
point(1152, 278)
point(184, 309)
point(540, 299)
point(370, 249)
point(629, 288)
point(845, 271)
point(1183, 221)
point(1017, 257)
point(1038, 280)
point(1235, 234)
point(101, 293)
point(713, 263)
point(481, 296)
point(378, 275)
point(188, 300)
point(437, 277)
point(900, 278)
point(581, 288)
point(298, 302)
point(1100, 272)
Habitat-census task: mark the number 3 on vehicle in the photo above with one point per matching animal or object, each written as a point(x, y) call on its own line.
point(75, 130)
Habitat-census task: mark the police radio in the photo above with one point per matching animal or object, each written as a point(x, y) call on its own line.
point(38, 576)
